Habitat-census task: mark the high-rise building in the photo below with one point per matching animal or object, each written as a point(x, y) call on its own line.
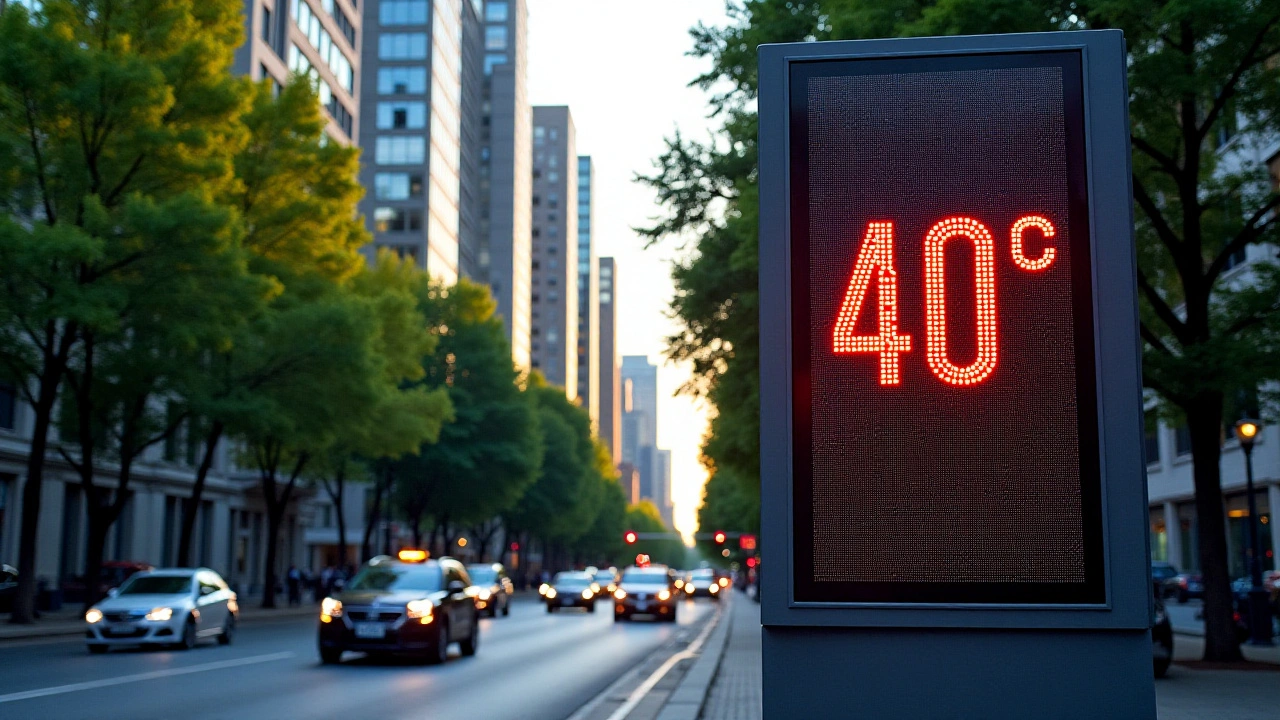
point(554, 267)
point(470, 204)
point(640, 431)
point(503, 256)
point(589, 378)
point(317, 38)
point(662, 485)
point(412, 72)
point(605, 342)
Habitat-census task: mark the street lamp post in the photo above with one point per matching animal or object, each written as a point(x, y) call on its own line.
point(1259, 612)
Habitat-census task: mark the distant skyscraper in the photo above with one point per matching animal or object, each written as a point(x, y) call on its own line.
point(662, 485)
point(554, 267)
point(412, 134)
point(589, 375)
point(470, 204)
point(640, 431)
point(503, 257)
point(606, 345)
point(324, 44)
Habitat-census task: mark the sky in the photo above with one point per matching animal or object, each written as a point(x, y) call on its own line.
point(622, 69)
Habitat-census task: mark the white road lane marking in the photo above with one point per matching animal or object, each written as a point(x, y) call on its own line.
point(140, 677)
point(692, 651)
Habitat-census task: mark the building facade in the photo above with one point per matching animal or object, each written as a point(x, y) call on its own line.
point(554, 265)
point(503, 258)
point(640, 431)
point(605, 342)
point(413, 64)
point(588, 301)
point(662, 485)
point(317, 38)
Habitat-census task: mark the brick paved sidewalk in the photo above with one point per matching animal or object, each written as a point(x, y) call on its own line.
point(735, 692)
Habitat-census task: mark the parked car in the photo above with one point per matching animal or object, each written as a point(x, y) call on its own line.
point(406, 604)
point(1188, 586)
point(175, 607)
point(8, 587)
point(571, 589)
point(494, 588)
point(1161, 640)
point(1164, 579)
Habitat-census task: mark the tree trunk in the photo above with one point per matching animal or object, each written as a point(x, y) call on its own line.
point(24, 604)
point(380, 482)
point(1204, 421)
point(276, 507)
point(269, 569)
point(96, 542)
point(197, 492)
point(340, 480)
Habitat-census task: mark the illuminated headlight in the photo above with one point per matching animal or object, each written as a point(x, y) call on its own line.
point(419, 610)
point(586, 594)
point(94, 615)
point(160, 614)
point(543, 588)
point(664, 595)
point(679, 583)
point(619, 593)
point(689, 588)
point(724, 582)
point(551, 592)
point(330, 608)
point(485, 594)
point(714, 589)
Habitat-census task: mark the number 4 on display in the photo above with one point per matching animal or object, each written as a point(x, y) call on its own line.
point(875, 259)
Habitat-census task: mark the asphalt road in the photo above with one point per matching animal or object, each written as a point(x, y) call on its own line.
point(531, 665)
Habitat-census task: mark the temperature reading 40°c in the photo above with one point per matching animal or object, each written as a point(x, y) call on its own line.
point(875, 261)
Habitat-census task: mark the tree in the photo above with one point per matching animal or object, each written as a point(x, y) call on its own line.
point(643, 517)
point(1199, 71)
point(101, 115)
point(602, 543)
point(489, 452)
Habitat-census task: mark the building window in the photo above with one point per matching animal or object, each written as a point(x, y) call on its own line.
point(554, 134)
point(402, 46)
point(400, 150)
point(403, 12)
point(338, 64)
point(402, 115)
point(606, 298)
point(397, 186)
point(495, 37)
point(387, 219)
point(492, 60)
point(344, 25)
point(8, 405)
point(539, 135)
point(553, 176)
point(553, 200)
point(495, 12)
point(402, 81)
point(1182, 439)
point(266, 25)
point(1152, 437)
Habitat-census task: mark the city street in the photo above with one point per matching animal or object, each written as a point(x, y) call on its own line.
point(530, 665)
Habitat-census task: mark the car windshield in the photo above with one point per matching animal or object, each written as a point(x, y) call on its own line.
point(702, 575)
point(397, 578)
point(482, 574)
point(645, 577)
point(571, 580)
point(157, 585)
point(1163, 572)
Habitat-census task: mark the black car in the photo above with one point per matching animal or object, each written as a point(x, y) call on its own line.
point(8, 587)
point(571, 589)
point(646, 591)
point(704, 582)
point(1161, 640)
point(494, 588)
point(407, 604)
point(1164, 578)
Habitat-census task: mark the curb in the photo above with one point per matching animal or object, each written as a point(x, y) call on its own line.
point(68, 628)
point(686, 702)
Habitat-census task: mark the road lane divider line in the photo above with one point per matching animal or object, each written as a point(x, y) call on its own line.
point(141, 677)
point(656, 676)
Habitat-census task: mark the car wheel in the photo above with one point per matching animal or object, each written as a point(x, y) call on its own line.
point(228, 630)
point(330, 656)
point(472, 643)
point(97, 649)
point(591, 608)
point(188, 635)
point(672, 617)
point(551, 608)
point(440, 649)
point(619, 617)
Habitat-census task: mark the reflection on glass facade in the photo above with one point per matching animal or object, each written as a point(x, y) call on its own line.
point(442, 164)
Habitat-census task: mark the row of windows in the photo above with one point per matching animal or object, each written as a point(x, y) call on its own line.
point(402, 46)
point(402, 115)
point(495, 37)
point(397, 186)
point(400, 150)
point(319, 38)
point(495, 12)
point(492, 60)
point(386, 219)
point(299, 64)
point(402, 81)
point(403, 12)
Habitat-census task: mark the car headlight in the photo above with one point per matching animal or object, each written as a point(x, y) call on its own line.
point(679, 583)
point(664, 595)
point(689, 588)
point(543, 588)
point(551, 592)
point(619, 593)
point(160, 614)
point(713, 589)
point(724, 582)
point(485, 594)
point(586, 594)
point(420, 610)
point(94, 615)
point(329, 609)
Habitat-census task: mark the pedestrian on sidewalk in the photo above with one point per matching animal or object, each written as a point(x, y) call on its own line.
point(293, 580)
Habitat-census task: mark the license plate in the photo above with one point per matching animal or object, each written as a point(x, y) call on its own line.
point(566, 601)
point(370, 631)
point(120, 630)
point(642, 605)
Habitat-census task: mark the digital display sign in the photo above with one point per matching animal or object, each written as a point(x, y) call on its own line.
point(945, 435)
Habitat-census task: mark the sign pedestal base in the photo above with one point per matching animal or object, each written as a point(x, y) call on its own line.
point(901, 674)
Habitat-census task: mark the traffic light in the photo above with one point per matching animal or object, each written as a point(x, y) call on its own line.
point(747, 542)
point(751, 562)
point(629, 537)
point(720, 537)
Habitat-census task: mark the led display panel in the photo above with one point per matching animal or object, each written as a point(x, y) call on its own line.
point(944, 404)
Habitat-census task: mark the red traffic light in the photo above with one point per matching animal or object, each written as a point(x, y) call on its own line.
point(720, 537)
point(515, 546)
point(751, 562)
point(747, 542)
point(630, 537)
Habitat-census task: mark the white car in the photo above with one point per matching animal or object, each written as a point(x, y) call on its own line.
point(173, 607)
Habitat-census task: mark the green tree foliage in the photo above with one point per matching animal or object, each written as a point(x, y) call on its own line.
point(490, 452)
point(602, 543)
point(1199, 71)
point(106, 119)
